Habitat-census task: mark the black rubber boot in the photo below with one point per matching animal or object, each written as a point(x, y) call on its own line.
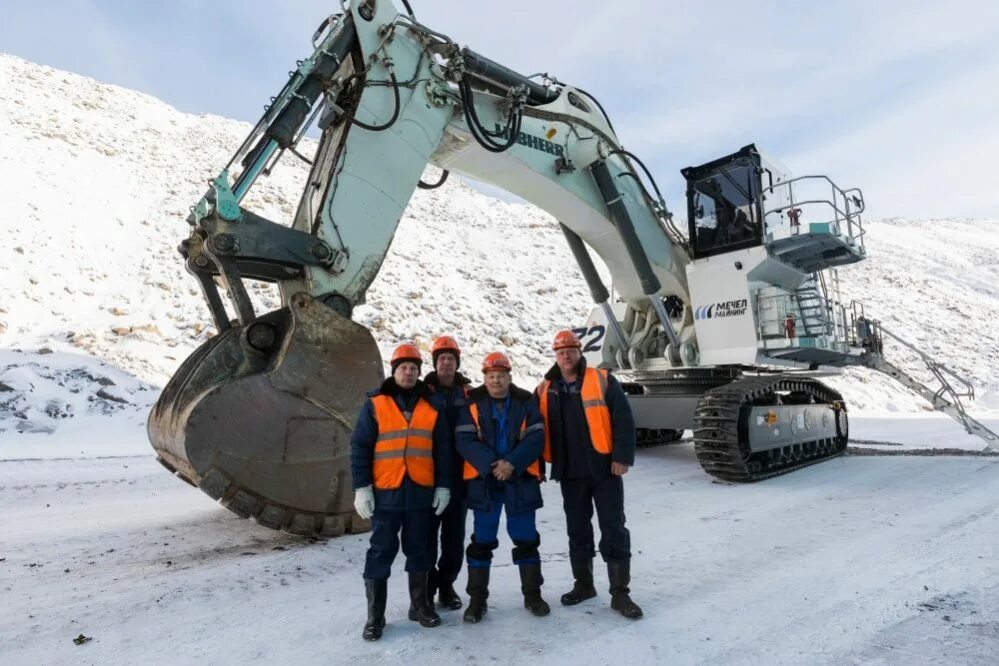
point(531, 581)
point(619, 574)
point(420, 609)
point(377, 593)
point(582, 589)
point(432, 577)
point(478, 592)
point(448, 597)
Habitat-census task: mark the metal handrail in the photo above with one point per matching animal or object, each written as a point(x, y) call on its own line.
point(936, 368)
point(788, 301)
point(851, 218)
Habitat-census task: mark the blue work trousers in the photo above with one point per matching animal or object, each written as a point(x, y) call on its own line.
point(521, 527)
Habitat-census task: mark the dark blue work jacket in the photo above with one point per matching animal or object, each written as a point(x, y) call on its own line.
point(525, 440)
point(449, 402)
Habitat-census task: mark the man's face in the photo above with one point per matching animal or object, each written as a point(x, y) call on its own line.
point(567, 358)
point(447, 366)
point(406, 374)
point(498, 383)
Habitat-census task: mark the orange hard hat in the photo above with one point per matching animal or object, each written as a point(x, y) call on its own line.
point(496, 361)
point(406, 352)
point(565, 339)
point(445, 343)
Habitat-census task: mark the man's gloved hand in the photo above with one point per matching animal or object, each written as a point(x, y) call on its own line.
point(441, 497)
point(364, 502)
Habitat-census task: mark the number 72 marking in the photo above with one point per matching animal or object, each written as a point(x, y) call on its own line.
point(595, 332)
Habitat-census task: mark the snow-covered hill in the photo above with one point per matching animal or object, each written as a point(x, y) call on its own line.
point(96, 311)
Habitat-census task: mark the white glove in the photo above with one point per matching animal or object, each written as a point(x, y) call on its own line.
point(364, 502)
point(441, 497)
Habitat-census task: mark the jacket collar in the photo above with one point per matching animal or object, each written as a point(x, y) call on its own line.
point(390, 388)
point(481, 393)
point(434, 382)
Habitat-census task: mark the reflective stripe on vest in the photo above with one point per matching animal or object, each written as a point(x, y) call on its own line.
point(403, 448)
point(534, 469)
point(598, 420)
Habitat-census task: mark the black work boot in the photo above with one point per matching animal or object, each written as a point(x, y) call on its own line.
point(619, 574)
point(530, 584)
point(377, 592)
point(478, 592)
point(432, 577)
point(420, 609)
point(582, 589)
point(448, 597)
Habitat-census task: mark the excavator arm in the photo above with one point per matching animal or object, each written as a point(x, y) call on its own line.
point(260, 416)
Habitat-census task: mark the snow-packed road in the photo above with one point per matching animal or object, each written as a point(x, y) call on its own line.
point(857, 560)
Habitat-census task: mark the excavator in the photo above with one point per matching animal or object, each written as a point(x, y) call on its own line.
point(722, 330)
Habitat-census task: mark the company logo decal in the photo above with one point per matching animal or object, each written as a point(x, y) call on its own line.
point(722, 309)
point(531, 141)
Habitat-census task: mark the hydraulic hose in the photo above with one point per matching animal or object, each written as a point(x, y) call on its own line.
point(599, 106)
point(434, 186)
point(395, 112)
point(479, 132)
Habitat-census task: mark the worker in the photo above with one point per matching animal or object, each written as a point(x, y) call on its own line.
point(590, 443)
point(790, 324)
point(500, 436)
point(400, 462)
point(450, 396)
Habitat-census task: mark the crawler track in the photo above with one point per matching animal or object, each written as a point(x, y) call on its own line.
point(721, 444)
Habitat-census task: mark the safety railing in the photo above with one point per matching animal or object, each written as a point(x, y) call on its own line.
point(791, 317)
point(846, 206)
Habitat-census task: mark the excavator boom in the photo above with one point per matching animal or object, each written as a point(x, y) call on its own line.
point(260, 416)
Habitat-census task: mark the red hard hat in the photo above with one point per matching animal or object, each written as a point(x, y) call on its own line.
point(565, 339)
point(496, 361)
point(406, 352)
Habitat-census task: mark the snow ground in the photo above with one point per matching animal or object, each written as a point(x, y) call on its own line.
point(858, 560)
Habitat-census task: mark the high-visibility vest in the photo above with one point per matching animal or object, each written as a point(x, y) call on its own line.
point(598, 418)
point(404, 447)
point(534, 469)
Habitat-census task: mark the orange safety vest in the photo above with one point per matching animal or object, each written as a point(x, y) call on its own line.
point(404, 447)
point(598, 419)
point(534, 469)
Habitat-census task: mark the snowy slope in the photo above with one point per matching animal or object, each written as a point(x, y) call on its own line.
point(97, 180)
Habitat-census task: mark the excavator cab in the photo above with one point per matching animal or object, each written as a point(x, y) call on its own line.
point(724, 204)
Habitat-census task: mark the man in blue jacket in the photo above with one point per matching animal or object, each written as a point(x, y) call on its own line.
point(401, 465)
point(450, 395)
point(501, 438)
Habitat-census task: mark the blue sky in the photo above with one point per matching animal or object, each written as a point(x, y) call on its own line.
point(899, 98)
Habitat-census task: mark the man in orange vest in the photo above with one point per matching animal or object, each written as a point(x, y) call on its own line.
point(590, 443)
point(501, 438)
point(450, 396)
point(400, 462)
